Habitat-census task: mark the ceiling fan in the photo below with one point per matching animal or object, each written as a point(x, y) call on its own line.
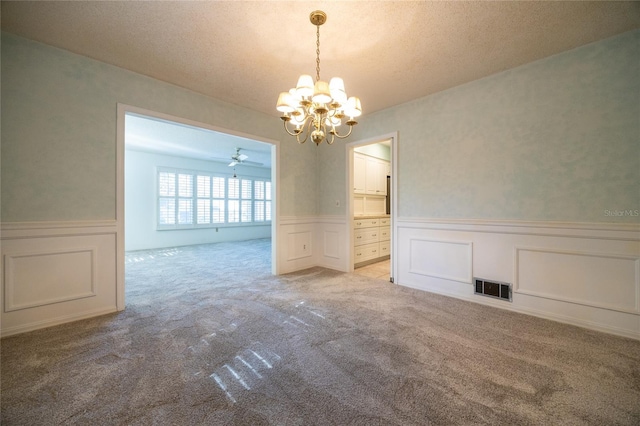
point(237, 158)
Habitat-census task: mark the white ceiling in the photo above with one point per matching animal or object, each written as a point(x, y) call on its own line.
point(387, 52)
point(154, 135)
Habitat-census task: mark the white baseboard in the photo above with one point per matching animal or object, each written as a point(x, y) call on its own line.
point(36, 325)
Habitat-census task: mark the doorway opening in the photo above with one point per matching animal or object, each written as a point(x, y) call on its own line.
point(184, 184)
point(372, 205)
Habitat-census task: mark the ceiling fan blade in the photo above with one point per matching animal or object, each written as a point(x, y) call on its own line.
point(252, 163)
point(242, 157)
point(233, 163)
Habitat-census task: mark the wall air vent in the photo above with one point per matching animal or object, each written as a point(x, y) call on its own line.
point(495, 289)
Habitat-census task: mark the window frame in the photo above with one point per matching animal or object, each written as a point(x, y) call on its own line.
point(195, 198)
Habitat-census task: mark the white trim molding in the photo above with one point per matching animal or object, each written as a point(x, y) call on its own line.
point(618, 231)
point(12, 230)
point(63, 319)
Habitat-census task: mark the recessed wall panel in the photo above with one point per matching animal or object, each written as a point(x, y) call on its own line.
point(52, 274)
point(299, 244)
point(450, 260)
point(599, 280)
point(43, 278)
point(331, 244)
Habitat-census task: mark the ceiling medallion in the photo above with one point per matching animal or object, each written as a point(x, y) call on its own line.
point(317, 110)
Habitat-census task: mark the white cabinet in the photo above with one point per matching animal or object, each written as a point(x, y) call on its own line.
point(369, 175)
point(359, 173)
point(372, 169)
point(382, 173)
point(376, 183)
point(372, 237)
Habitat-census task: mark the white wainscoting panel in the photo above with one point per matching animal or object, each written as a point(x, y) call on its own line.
point(56, 274)
point(593, 279)
point(313, 241)
point(299, 245)
point(297, 251)
point(331, 244)
point(333, 232)
point(583, 274)
point(449, 260)
point(37, 279)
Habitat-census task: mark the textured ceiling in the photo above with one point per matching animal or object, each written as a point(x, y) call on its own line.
point(387, 52)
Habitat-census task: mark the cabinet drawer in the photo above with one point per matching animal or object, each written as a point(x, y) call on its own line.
point(385, 233)
point(385, 248)
point(365, 223)
point(366, 236)
point(366, 252)
point(384, 221)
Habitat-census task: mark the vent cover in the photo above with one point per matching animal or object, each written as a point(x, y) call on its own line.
point(495, 289)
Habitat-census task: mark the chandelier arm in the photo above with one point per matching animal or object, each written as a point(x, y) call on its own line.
point(324, 129)
point(330, 141)
point(343, 136)
point(310, 124)
point(303, 140)
point(306, 132)
point(298, 133)
point(288, 131)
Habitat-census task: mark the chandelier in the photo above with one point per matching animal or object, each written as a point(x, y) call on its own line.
point(317, 110)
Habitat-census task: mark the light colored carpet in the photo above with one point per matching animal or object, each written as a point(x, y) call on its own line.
point(210, 337)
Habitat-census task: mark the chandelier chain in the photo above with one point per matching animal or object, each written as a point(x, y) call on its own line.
point(317, 52)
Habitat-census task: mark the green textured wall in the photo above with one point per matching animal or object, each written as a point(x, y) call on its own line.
point(554, 140)
point(59, 134)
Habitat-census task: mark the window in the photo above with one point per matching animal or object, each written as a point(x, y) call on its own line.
point(233, 203)
point(189, 199)
point(185, 199)
point(204, 199)
point(218, 200)
point(262, 203)
point(247, 201)
point(175, 198)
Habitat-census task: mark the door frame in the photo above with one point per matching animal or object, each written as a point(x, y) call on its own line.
point(393, 137)
point(122, 110)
